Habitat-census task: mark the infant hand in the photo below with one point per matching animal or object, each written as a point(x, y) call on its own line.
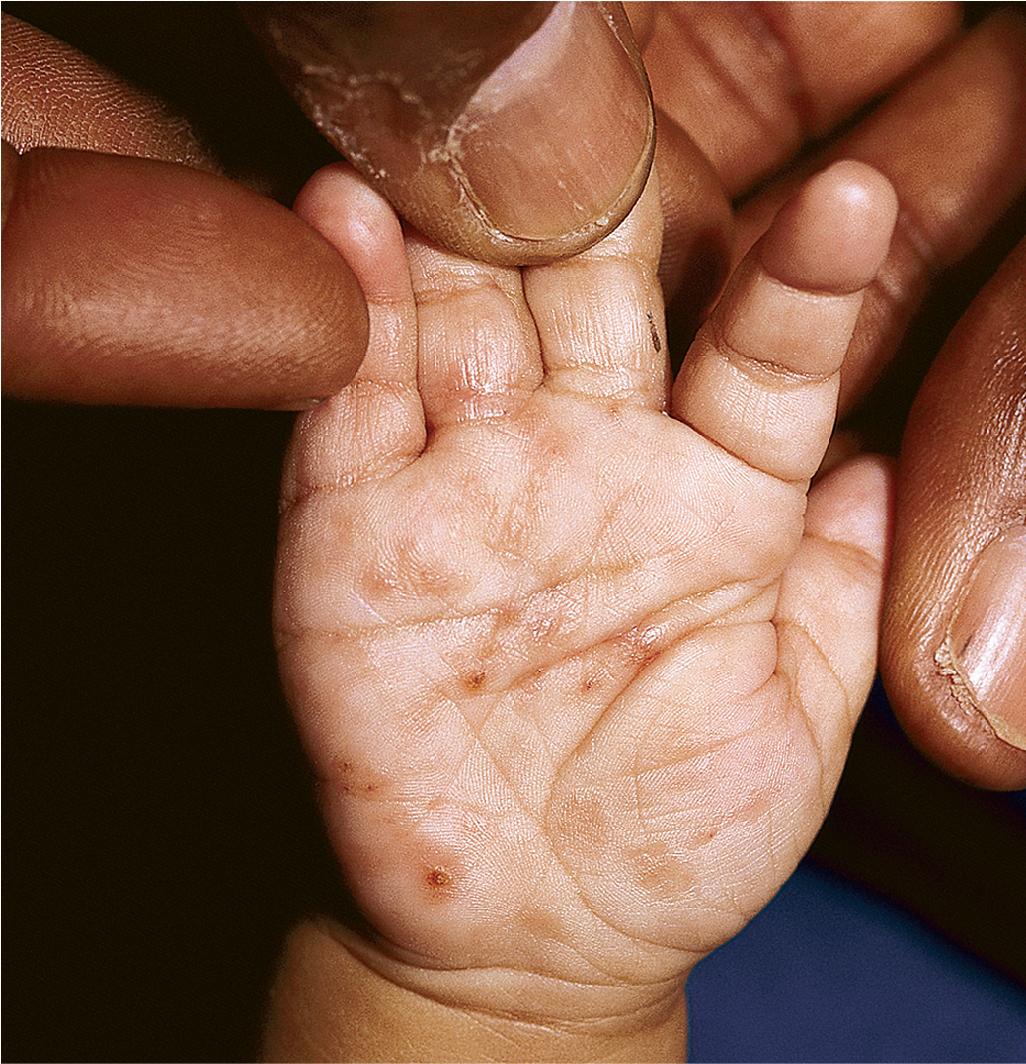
point(577, 657)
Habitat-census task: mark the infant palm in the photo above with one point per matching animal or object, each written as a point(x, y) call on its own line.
point(574, 665)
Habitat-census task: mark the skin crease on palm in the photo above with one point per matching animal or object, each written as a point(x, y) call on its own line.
point(575, 655)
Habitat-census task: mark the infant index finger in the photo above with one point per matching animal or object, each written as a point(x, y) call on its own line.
point(761, 378)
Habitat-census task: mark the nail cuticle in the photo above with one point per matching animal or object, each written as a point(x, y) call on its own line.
point(983, 653)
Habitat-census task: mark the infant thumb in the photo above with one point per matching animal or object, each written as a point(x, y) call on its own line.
point(829, 610)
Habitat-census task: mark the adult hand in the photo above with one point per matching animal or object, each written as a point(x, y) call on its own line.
point(754, 86)
point(750, 84)
point(136, 274)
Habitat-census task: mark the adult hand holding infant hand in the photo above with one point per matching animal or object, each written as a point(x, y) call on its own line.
point(517, 134)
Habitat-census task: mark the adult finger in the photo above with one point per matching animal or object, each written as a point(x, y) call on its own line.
point(750, 83)
point(950, 142)
point(954, 641)
point(697, 226)
point(511, 133)
point(57, 97)
point(136, 281)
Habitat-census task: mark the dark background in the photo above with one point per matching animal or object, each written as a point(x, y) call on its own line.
point(161, 833)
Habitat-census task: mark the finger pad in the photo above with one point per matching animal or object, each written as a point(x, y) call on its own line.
point(835, 233)
point(854, 505)
point(361, 225)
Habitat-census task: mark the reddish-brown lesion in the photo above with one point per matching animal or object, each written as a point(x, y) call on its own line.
point(345, 777)
point(474, 682)
point(441, 880)
point(661, 873)
point(637, 647)
point(582, 825)
point(541, 923)
point(438, 878)
point(405, 569)
point(342, 778)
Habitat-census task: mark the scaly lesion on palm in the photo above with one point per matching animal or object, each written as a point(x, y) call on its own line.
point(566, 714)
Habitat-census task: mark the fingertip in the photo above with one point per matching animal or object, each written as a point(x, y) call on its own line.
point(860, 187)
point(212, 295)
point(481, 159)
point(362, 227)
point(834, 234)
point(854, 504)
point(532, 183)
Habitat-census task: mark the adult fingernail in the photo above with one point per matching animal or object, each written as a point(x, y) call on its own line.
point(987, 638)
point(508, 132)
point(560, 134)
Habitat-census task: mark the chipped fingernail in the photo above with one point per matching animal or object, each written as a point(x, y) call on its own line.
point(984, 654)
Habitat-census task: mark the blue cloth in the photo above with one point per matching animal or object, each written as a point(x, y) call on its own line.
point(828, 972)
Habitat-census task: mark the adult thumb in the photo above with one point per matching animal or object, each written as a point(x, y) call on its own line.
point(513, 133)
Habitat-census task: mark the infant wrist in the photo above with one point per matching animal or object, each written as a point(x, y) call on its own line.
point(339, 997)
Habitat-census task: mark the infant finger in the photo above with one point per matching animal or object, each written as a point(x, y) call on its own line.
point(478, 349)
point(761, 379)
point(950, 142)
point(600, 314)
point(375, 426)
